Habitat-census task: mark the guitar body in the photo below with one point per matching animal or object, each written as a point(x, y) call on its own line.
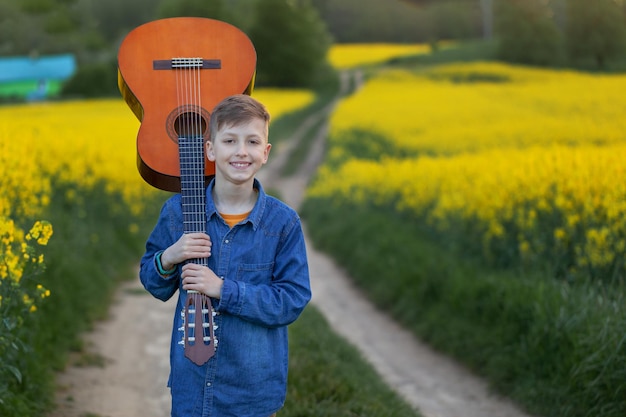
point(166, 95)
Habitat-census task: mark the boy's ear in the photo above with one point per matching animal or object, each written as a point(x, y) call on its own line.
point(268, 147)
point(209, 151)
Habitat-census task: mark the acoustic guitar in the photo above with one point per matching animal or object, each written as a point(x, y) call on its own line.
point(172, 73)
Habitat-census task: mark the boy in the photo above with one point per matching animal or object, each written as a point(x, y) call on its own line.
point(257, 274)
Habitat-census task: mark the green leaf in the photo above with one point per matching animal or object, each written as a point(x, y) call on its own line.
point(9, 323)
point(16, 372)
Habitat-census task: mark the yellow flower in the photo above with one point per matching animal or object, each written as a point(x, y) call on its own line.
point(43, 292)
point(345, 56)
point(559, 234)
point(27, 300)
point(41, 232)
point(524, 248)
point(133, 228)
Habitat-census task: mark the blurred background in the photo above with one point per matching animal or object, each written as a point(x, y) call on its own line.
point(559, 33)
point(472, 186)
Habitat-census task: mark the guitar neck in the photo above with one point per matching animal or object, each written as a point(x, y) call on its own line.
point(191, 155)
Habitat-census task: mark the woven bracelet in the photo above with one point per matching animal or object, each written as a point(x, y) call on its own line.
point(160, 266)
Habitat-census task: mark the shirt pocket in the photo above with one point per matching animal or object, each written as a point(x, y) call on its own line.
point(259, 273)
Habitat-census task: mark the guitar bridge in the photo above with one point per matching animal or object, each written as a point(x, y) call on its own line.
point(186, 63)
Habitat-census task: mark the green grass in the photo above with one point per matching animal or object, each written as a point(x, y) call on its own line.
point(479, 50)
point(328, 377)
point(557, 349)
point(300, 153)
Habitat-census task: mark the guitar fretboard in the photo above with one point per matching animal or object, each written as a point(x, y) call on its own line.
point(191, 154)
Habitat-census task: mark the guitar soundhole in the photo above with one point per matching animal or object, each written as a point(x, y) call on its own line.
point(188, 121)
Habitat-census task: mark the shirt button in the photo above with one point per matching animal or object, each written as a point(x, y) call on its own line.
point(208, 384)
point(226, 241)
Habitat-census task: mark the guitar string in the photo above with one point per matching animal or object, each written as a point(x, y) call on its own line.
point(179, 102)
point(193, 131)
point(199, 183)
point(197, 158)
point(187, 136)
point(187, 162)
point(209, 330)
point(194, 135)
point(180, 121)
point(196, 132)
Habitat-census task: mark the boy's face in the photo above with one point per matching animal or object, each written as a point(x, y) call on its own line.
point(239, 151)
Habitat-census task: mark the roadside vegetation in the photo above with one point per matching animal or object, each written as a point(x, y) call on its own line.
point(485, 211)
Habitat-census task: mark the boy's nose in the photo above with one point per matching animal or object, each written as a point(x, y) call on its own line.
point(242, 149)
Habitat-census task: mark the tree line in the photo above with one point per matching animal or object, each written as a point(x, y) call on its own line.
point(588, 34)
point(292, 36)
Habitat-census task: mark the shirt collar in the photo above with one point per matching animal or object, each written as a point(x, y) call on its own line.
point(257, 211)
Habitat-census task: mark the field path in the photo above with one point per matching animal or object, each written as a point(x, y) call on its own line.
point(133, 343)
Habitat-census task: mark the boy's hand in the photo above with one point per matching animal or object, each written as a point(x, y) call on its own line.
point(202, 279)
point(189, 246)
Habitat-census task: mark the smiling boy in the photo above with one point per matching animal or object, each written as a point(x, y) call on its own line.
point(257, 274)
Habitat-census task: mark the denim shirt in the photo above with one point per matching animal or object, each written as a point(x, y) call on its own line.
point(263, 263)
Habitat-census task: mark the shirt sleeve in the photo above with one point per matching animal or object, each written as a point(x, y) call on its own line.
point(160, 286)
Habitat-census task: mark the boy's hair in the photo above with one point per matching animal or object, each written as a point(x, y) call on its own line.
point(234, 110)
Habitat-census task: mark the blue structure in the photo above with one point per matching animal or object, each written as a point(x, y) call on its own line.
point(34, 78)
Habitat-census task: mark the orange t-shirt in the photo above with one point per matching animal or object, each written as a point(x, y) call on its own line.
point(233, 219)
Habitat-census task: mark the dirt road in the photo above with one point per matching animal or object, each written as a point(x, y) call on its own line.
point(134, 341)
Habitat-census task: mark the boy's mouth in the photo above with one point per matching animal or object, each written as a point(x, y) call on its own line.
point(240, 164)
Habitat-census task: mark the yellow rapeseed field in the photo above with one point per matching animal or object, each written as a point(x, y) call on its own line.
point(471, 107)
point(529, 158)
point(348, 55)
point(82, 142)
